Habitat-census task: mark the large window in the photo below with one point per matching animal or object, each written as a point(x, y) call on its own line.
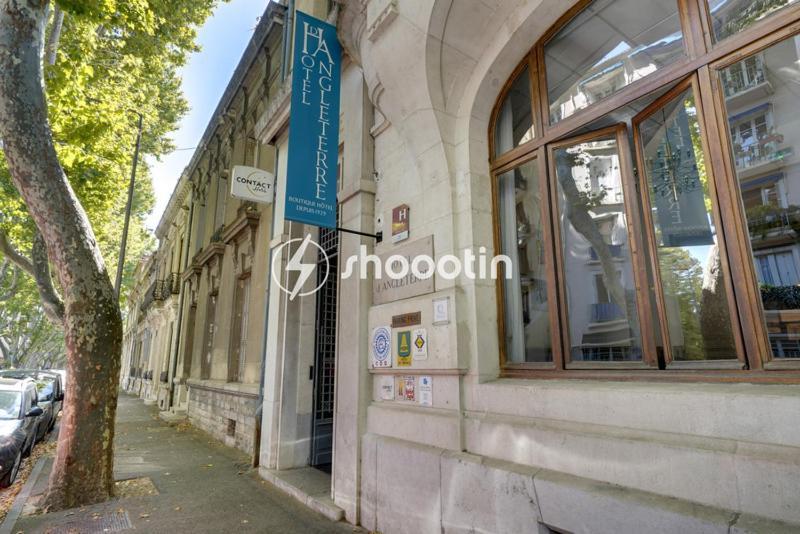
point(659, 228)
point(764, 131)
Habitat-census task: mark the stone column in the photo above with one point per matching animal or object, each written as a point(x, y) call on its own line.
point(357, 204)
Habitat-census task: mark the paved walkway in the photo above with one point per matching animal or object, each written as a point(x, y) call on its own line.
point(202, 486)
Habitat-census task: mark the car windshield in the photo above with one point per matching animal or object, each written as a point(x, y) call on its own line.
point(9, 404)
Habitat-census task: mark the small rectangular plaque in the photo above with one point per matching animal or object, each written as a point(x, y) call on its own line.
point(407, 319)
point(404, 348)
point(405, 388)
point(425, 390)
point(400, 223)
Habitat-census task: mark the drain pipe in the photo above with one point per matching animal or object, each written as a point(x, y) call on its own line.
point(287, 40)
point(262, 379)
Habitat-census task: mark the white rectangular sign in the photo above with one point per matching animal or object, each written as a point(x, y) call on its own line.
point(387, 388)
point(419, 344)
point(249, 183)
point(425, 390)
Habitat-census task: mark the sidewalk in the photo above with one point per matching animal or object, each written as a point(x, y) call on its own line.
point(201, 485)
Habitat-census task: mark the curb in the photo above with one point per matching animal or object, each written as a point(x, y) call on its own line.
point(22, 498)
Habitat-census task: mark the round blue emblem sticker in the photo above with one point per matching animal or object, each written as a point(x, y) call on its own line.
point(381, 347)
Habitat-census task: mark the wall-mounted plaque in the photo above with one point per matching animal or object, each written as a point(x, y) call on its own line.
point(406, 319)
point(386, 289)
point(400, 222)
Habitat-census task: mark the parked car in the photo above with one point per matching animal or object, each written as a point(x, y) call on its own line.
point(51, 395)
point(19, 420)
point(63, 374)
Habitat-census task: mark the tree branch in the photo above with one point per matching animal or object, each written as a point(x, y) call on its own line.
point(5, 350)
point(51, 300)
point(39, 269)
point(16, 258)
point(12, 288)
point(55, 35)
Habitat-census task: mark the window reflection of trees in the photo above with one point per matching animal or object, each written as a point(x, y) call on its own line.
point(591, 193)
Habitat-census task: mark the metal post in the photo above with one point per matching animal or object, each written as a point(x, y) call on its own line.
point(121, 264)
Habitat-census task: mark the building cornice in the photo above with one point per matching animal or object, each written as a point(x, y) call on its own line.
point(210, 252)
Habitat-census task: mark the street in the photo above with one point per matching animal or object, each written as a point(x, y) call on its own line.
point(201, 486)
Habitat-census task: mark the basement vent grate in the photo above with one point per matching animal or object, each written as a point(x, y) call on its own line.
point(105, 522)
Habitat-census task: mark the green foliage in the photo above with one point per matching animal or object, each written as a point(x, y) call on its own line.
point(780, 297)
point(682, 281)
point(32, 340)
point(116, 58)
point(749, 13)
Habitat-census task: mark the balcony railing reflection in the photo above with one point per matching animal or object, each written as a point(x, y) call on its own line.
point(771, 221)
point(766, 150)
point(605, 312)
point(751, 74)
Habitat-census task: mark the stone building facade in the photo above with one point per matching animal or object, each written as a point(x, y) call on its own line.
point(205, 340)
point(542, 417)
point(635, 372)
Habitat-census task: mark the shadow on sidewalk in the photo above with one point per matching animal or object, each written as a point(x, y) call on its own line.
point(178, 479)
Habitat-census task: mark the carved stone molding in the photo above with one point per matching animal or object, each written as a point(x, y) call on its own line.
point(210, 253)
point(213, 270)
point(380, 14)
point(241, 235)
point(381, 123)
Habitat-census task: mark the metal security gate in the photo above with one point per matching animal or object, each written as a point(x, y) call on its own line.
point(324, 371)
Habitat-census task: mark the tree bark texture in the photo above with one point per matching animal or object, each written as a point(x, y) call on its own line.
point(83, 468)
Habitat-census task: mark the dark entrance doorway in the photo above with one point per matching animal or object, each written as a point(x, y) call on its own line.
point(324, 371)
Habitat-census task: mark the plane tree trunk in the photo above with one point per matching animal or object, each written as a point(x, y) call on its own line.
point(82, 472)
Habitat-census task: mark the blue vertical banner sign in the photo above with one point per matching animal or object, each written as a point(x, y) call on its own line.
point(314, 124)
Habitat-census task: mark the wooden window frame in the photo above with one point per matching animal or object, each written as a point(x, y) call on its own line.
point(693, 44)
point(749, 34)
point(751, 307)
point(739, 362)
point(533, 73)
point(547, 235)
point(638, 262)
point(701, 66)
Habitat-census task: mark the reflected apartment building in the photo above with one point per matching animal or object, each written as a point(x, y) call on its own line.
point(760, 93)
point(637, 371)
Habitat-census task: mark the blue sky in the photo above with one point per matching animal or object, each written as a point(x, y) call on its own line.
point(223, 38)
